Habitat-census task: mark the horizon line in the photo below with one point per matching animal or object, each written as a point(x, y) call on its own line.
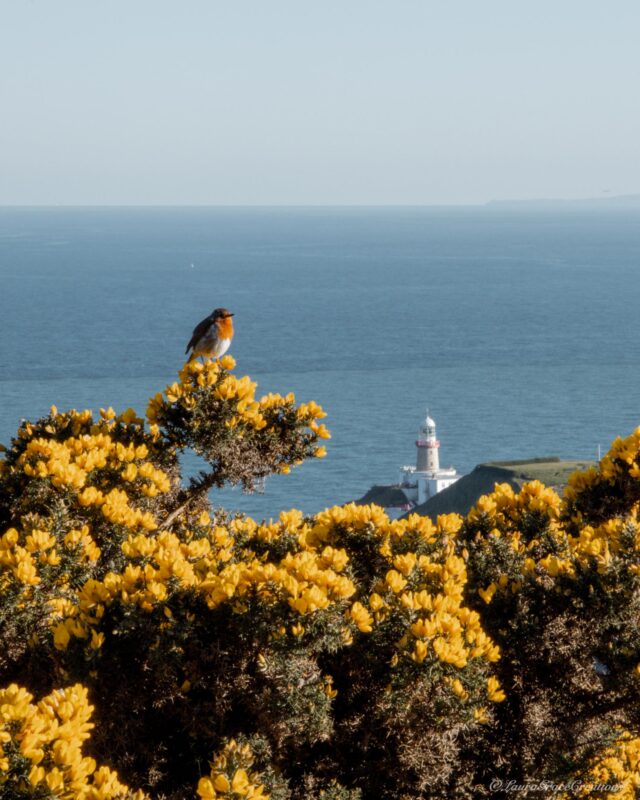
point(487, 203)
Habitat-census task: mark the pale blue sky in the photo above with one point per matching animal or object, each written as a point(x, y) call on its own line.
point(342, 101)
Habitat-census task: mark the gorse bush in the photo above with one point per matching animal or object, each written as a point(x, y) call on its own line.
point(153, 646)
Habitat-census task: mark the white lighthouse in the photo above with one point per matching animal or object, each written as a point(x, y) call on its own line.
point(417, 484)
point(427, 478)
point(428, 446)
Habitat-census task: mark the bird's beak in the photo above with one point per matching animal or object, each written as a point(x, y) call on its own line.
point(231, 315)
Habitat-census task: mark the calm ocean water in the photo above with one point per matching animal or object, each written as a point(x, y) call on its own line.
point(518, 329)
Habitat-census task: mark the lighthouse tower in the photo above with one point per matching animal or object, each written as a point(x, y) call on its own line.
point(427, 445)
point(427, 478)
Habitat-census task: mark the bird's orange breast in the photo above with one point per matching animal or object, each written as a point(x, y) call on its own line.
point(225, 328)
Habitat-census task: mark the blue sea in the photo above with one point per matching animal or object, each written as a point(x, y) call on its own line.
point(519, 329)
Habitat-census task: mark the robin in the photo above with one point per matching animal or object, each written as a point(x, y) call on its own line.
point(211, 337)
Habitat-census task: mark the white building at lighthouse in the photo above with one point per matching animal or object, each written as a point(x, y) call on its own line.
point(427, 478)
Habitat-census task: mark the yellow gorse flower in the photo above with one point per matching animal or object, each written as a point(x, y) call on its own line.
point(81, 462)
point(494, 692)
point(618, 766)
point(49, 737)
point(235, 403)
point(230, 776)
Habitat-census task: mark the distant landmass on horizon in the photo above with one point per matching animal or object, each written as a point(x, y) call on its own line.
point(612, 201)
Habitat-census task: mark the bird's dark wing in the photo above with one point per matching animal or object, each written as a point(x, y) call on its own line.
point(198, 332)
